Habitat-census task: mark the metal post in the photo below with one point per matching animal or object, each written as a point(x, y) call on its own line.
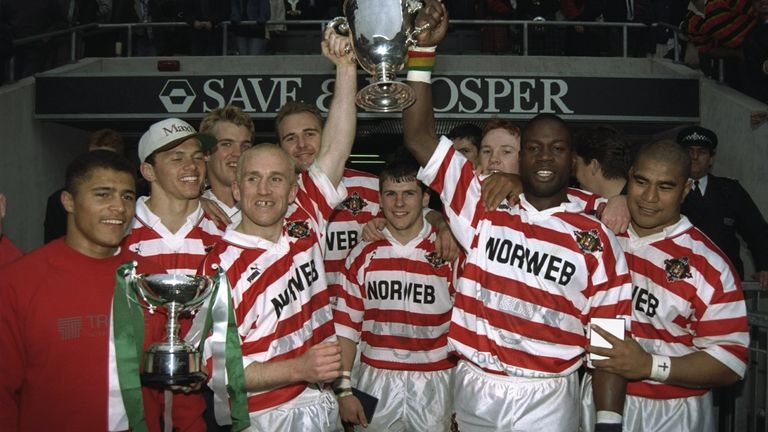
point(677, 47)
point(12, 69)
point(525, 39)
point(129, 42)
point(720, 70)
point(624, 40)
point(72, 46)
point(224, 37)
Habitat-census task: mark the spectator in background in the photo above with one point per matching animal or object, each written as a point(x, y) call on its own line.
point(756, 54)
point(461, 9)
point(602, 160)
point(29, 18)
point(233, 130)
point(580, 40)
point(500, 147)
point(96, 43)
point(721, 208)
point(306, 9)
point(466, 139)
point(718, 29)
point(6, 45)
point(620, 11)
point(250, 39)
point(542, 40)
point(8, 251)
point(204, 16)
point(496, 39)
point(55, 223)
point(277, 13)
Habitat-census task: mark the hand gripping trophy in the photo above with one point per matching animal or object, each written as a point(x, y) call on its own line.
point(381, 31)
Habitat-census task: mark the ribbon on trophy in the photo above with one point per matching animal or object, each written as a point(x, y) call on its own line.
point(228, 377)
point(126, 340)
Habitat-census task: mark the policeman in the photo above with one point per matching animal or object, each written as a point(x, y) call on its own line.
point(721, 208)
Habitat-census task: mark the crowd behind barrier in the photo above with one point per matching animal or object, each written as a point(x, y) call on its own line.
point(724, 38)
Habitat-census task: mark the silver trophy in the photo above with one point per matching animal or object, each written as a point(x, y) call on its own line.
point(381, 32)
point(172, 362)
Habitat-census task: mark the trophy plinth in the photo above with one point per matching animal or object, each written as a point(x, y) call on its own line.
point(166, 365)
point(171, 362)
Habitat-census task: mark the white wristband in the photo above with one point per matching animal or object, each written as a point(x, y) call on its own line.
point(420, 76)
point(608, 417)
point(661, 366)
point(430, 49)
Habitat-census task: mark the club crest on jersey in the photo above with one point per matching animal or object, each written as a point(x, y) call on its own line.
point(354, 203)
point(297, 229)
point(434, 260)
point(677, 269)
point(589, 241)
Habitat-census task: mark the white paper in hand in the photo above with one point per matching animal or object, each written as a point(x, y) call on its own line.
point(614, 326)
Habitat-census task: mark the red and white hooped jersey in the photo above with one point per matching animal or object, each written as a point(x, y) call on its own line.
point(396, 301)
point(686, 298)
point(532, 279)
point(279, 292)
point(180, 252)
point(345, 226)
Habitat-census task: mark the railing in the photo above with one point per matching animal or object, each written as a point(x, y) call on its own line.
point(751, 407)
point(130, 28)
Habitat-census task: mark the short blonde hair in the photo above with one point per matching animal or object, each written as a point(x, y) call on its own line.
point(267, 147)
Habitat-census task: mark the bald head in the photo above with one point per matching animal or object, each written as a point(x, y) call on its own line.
point(668, 152)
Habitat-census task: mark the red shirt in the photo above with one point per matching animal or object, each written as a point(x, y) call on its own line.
point(54, 338)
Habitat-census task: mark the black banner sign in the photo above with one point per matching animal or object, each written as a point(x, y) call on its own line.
point(455, 96)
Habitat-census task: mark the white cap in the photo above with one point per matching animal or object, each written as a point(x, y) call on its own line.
point(167, 134)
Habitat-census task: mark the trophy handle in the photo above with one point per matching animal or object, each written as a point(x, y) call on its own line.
point(339, 25)
point(412, 7)
point(133, 279)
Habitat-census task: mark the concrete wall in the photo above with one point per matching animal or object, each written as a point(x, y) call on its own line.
point(34, 156)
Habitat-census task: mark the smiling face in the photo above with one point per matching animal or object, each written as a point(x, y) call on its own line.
point(100, 209)
point(265, 187)
point(499, 152)
point(655, 193)
point(403, 203)
point(231, 140)
point(300, 135)
point(177, 173)
point(546, 161)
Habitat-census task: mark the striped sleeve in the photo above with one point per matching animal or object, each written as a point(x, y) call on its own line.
point(450, 174)
point(318, 196)
point(721, 328)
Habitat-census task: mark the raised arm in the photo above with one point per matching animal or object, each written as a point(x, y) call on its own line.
point(418, 120)
point(339, 131)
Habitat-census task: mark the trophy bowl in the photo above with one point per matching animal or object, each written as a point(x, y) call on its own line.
point(172, 362)
point(381, 31)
